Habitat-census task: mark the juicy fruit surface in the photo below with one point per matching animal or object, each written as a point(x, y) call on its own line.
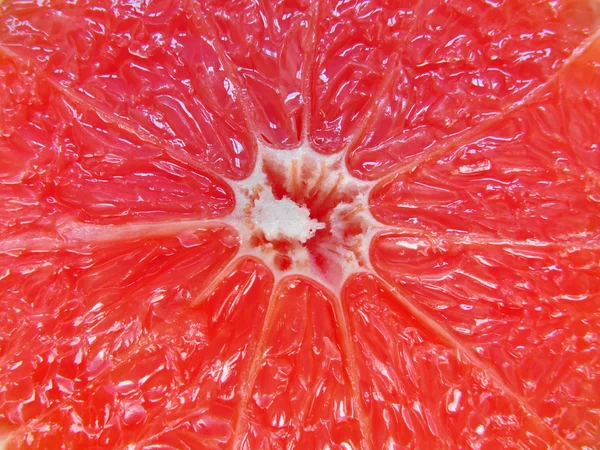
point(447, 150)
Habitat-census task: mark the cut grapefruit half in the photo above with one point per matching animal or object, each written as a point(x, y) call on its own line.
point(299, 225)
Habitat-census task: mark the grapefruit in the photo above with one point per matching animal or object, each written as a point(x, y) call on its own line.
point(293, 225)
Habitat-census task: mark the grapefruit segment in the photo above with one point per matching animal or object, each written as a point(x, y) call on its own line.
point(267, 44)
point(519, 179)
point(122, 60)
point(420, 391)
point(302, 395)
point(461, 65)
point(64, 149)
point(137, 180)
point(211, 350)
point(122, 297)
point(352, 54)
point(529, 311)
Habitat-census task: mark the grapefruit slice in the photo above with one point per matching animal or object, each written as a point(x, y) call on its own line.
point(292, 224)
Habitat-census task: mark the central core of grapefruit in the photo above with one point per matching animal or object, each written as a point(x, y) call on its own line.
point(304, 213)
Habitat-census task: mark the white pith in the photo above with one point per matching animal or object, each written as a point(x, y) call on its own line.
point(283, 219)
point(247, 218)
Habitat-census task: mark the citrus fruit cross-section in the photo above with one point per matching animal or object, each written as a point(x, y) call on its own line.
point(294, 224)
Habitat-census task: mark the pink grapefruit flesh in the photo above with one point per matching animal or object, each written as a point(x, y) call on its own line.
point(294, 225)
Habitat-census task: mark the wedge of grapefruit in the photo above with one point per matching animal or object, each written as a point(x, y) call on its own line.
point(299, 225)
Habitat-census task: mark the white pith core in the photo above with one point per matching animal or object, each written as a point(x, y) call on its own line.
point(259, 212)
point(283, 219)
